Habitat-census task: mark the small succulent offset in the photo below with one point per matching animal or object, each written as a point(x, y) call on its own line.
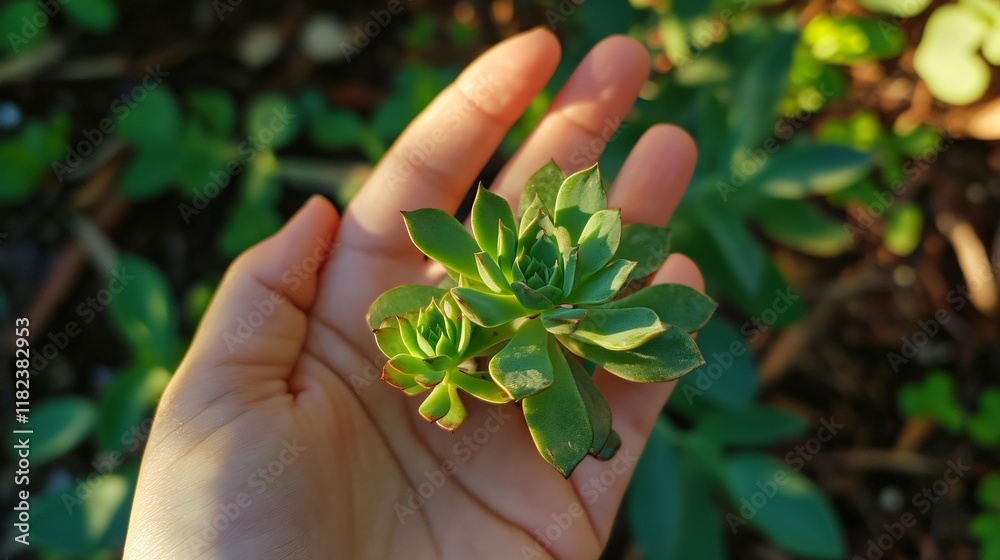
point(525, 300)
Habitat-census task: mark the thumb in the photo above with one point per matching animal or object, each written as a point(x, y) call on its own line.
point(255, 327)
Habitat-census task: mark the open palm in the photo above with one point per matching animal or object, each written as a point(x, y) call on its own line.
point(276, 438)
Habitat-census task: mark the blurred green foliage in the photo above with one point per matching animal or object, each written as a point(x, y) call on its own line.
point(775, 167)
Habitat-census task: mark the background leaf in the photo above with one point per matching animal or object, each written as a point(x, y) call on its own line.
point(793, 513)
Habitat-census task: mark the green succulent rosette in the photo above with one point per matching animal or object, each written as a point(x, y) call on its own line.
point(528, 299)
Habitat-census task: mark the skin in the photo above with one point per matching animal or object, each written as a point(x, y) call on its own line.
point(280, 430)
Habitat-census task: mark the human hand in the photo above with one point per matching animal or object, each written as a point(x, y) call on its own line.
point(276, 439)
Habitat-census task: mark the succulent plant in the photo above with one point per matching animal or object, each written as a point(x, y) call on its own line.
point(526, 300)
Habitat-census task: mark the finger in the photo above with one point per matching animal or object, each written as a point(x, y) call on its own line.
point(442, 152)
point(255, 326)
point(584, 115)
point(655, 175)
point(634, 409)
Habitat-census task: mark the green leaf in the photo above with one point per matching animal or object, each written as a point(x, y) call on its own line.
point(581, 195)
point(389, 339)
point(655, 503)
point(729, 376)
point(800, 225)
point(529, 298)
point(599, 241)
point(563, 320)
point(98, 16)
point(86, 519)
point(490, 212)
point(491, 274)
point(12, 27)
point(545, 185)
point(739, 252)
point(754, 104)
point(248, 224)
point(988, 491)
point(675, 304)
point(439, 236)
point(150, 173)
point(488, 310)
point(153, 123)
point(271, 121)
point(483, 389)
point(557, 417)
point(523, 367)
point(144, 311)
point(903, 228)
point(984, 424)
point(795, 516)
point(985, 527)
point(849, 40)
point(598, 409)
point(933, 398)
point(58, 424)
point(895, 7)
point(646, 245)
point(602, 285)
point(617, 329)
point(750, 426)
point(125, 403)
point(413, 369)
point(801, 171)
point(336, 129)
point(948, 59)
point(213, 111)
point(665, 357)
point(401, 300)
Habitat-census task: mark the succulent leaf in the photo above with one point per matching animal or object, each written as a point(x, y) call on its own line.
point(488, 309)
point(604, 284)
point(675, 304)
point(491, 274)
point(597, 406)
point(664, 357)
point(543, 185)
point(599, 240)
point(645, 244)
point(388, 339)
point(489, 211)
point(529, 298)
point(397, 301)
point(618, 329)
point(580, 195)
point(441, 237)
point(523, 368)
point(558, 418)
point(563, 320)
